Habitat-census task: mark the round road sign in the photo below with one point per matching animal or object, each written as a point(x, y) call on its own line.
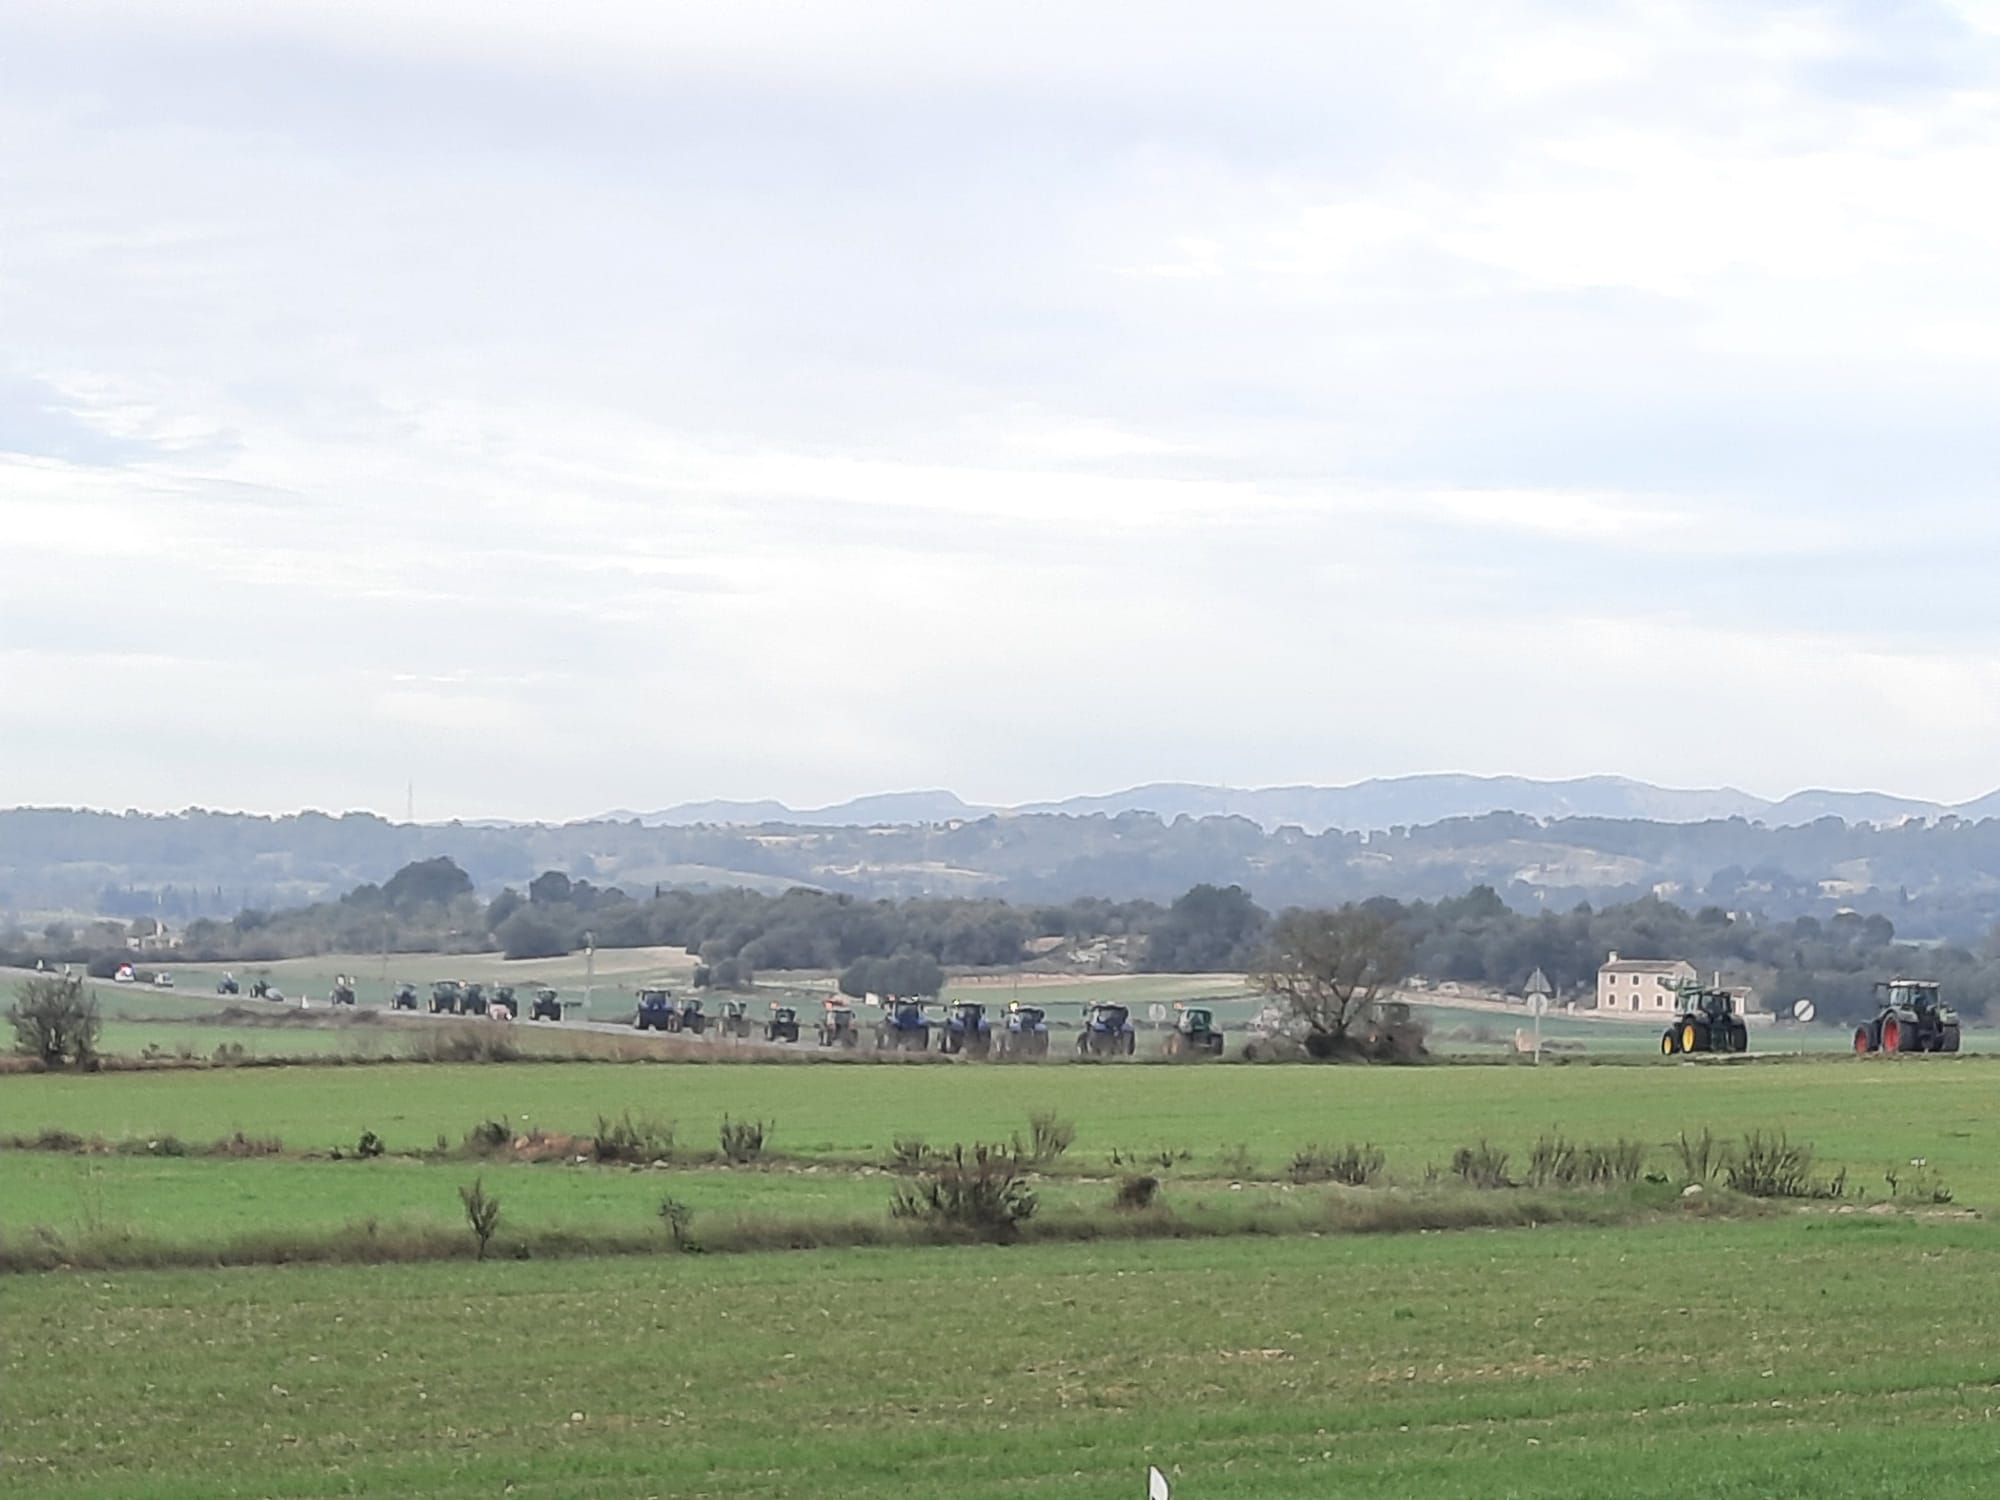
point(1803, 1010)
point(1156, 1012)
point(1538, 1005)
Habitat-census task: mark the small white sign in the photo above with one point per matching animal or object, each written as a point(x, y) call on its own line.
point(1156, 1012)
point(1538, 1005)
point(1156, 1486)
point(1803, 1010)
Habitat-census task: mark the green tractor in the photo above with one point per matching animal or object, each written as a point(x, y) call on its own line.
point(783, 1025)
point(734, 1021)
point(473, 1001)
point(1194, 1033)
point(1913, 1018)
point(1707, 1022)
point(547, 1005)
point(405, 997)
point(837, 1026)
point(342, 992)
point(445, 995)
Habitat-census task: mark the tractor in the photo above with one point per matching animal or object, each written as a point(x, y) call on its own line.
point(1707, 1023)
point(1026, 1033)
point(734, 1022)
point(405, 997)
point(262, 989)
point(342, 992)
point(227, 985)
point(655, 1012)
point(904, 1027)
point(783, 1025)
point(966, 1029)
point(445, 995)
point(1194, 1033)
point(1912, 1018)
point(503, 996)
point(547, 1005)
point(687, 1016)
point(1107, 1031)
point(473, 1001)
point(837, 1026)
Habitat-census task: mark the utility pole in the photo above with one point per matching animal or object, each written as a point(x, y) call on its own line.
point(589, 969)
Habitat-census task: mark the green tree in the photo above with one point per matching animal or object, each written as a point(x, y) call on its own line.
point(532, 934)
point(426, 882)
point(55, 1021)
point(1209, 929)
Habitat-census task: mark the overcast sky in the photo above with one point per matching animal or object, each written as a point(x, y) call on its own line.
point(584, 405)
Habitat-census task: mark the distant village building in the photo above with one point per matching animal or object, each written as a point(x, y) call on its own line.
point(1642, 986)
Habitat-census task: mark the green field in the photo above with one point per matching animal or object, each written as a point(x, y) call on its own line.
point(1697, 1359)
point(1804, 1350)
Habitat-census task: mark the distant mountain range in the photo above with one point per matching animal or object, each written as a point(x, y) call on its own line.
point(1379, 803)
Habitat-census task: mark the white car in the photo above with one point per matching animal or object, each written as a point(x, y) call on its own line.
point(163, 981)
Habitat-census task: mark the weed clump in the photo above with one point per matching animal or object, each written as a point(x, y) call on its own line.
point(1702, 1157)
point(908, 1153)
point(1049, 1136)
point(1136, 1194)
point(1774, 1167)
point(1557, 1161)
point(487, 1137)
point(1351, 1165)
point(629, 1140)
point(482, 1213)
point(369, 1146)
point(743, 1140)
point(1481, 1166)
point(679, 1219)
point(983, 1190)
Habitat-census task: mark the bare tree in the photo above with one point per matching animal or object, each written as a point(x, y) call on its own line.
point(1329, 968)
point(482, 1212)
point(55, 1021)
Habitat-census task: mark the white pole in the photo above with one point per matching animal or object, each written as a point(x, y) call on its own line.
point(589, 969)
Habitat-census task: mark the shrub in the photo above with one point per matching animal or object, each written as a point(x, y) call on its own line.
point(1701, 1156)
point(1355, 1166)
point(482, 1213)
point(1136, 1193)
point(55, 1022)
point(487, 1137)
point(1049, 1136)
point(679, 1219)
point(743, 1140)
point(1557, 1161)
point(907, 1153)
point(369, 1146)
point(1481, 1166)
point(1773, 1167)
point(1916, 1185)
point(228, 1054)
point(240, 1144)
point(983, 1190)
point(1236, 1161)
point(626, 1139)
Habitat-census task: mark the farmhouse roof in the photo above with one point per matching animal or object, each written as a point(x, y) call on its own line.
point(1644, 966)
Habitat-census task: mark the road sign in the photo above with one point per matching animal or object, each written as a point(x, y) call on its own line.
point(1803, 1010)
point(1538, 1005)
point(1156, 1012)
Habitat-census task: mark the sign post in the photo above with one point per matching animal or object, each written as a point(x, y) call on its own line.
point(1802, 1012)
point(1539, 992)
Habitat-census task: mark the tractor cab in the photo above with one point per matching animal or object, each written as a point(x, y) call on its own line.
point(1107, 1031)
point(503, 996)
point(547, 1005)
point(656, 1007)
point(227, 985)
point(405, 997)
point(1194, 1031)
point(1911, 1017)
point(734, 1019)
point(445, 996)
point(687, 1015)
point(473, 1001)
point(342, 992)
point(837, 1026)
point(904, 1027)
point(1707, 1022)
point(966, 1028)
point(783, 1025)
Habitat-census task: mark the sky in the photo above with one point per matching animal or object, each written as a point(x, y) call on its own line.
point(558, 408)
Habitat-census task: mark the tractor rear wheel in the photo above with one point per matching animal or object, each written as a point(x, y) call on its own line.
point(1895, 1035)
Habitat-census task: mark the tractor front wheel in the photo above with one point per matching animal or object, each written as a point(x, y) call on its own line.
point(1692, 1038)
point(1739, 1037)
point(1864, 1042)
point(1948, 1039)
point(1670, 1042)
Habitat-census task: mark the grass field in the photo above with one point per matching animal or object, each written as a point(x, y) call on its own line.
point(1807, 1351)
point(1863, 1114)
point(1788, 1358)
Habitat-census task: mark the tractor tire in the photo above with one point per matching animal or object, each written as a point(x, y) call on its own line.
point(1739, 1037)
point(1864, 1041)
point(1948, 1038)
point(1897, 1034)
point(1693, 1038)
point(1131, 1043)
point(1670, 1041)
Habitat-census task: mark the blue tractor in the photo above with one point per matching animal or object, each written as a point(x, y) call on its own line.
point(656, 1009)
point(1107, 1032)
point(904, 1027)
point(405, 997)
point(1026, 1032)
point(966, 1029)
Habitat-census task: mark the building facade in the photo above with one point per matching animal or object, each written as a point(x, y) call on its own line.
point(1642, 986)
